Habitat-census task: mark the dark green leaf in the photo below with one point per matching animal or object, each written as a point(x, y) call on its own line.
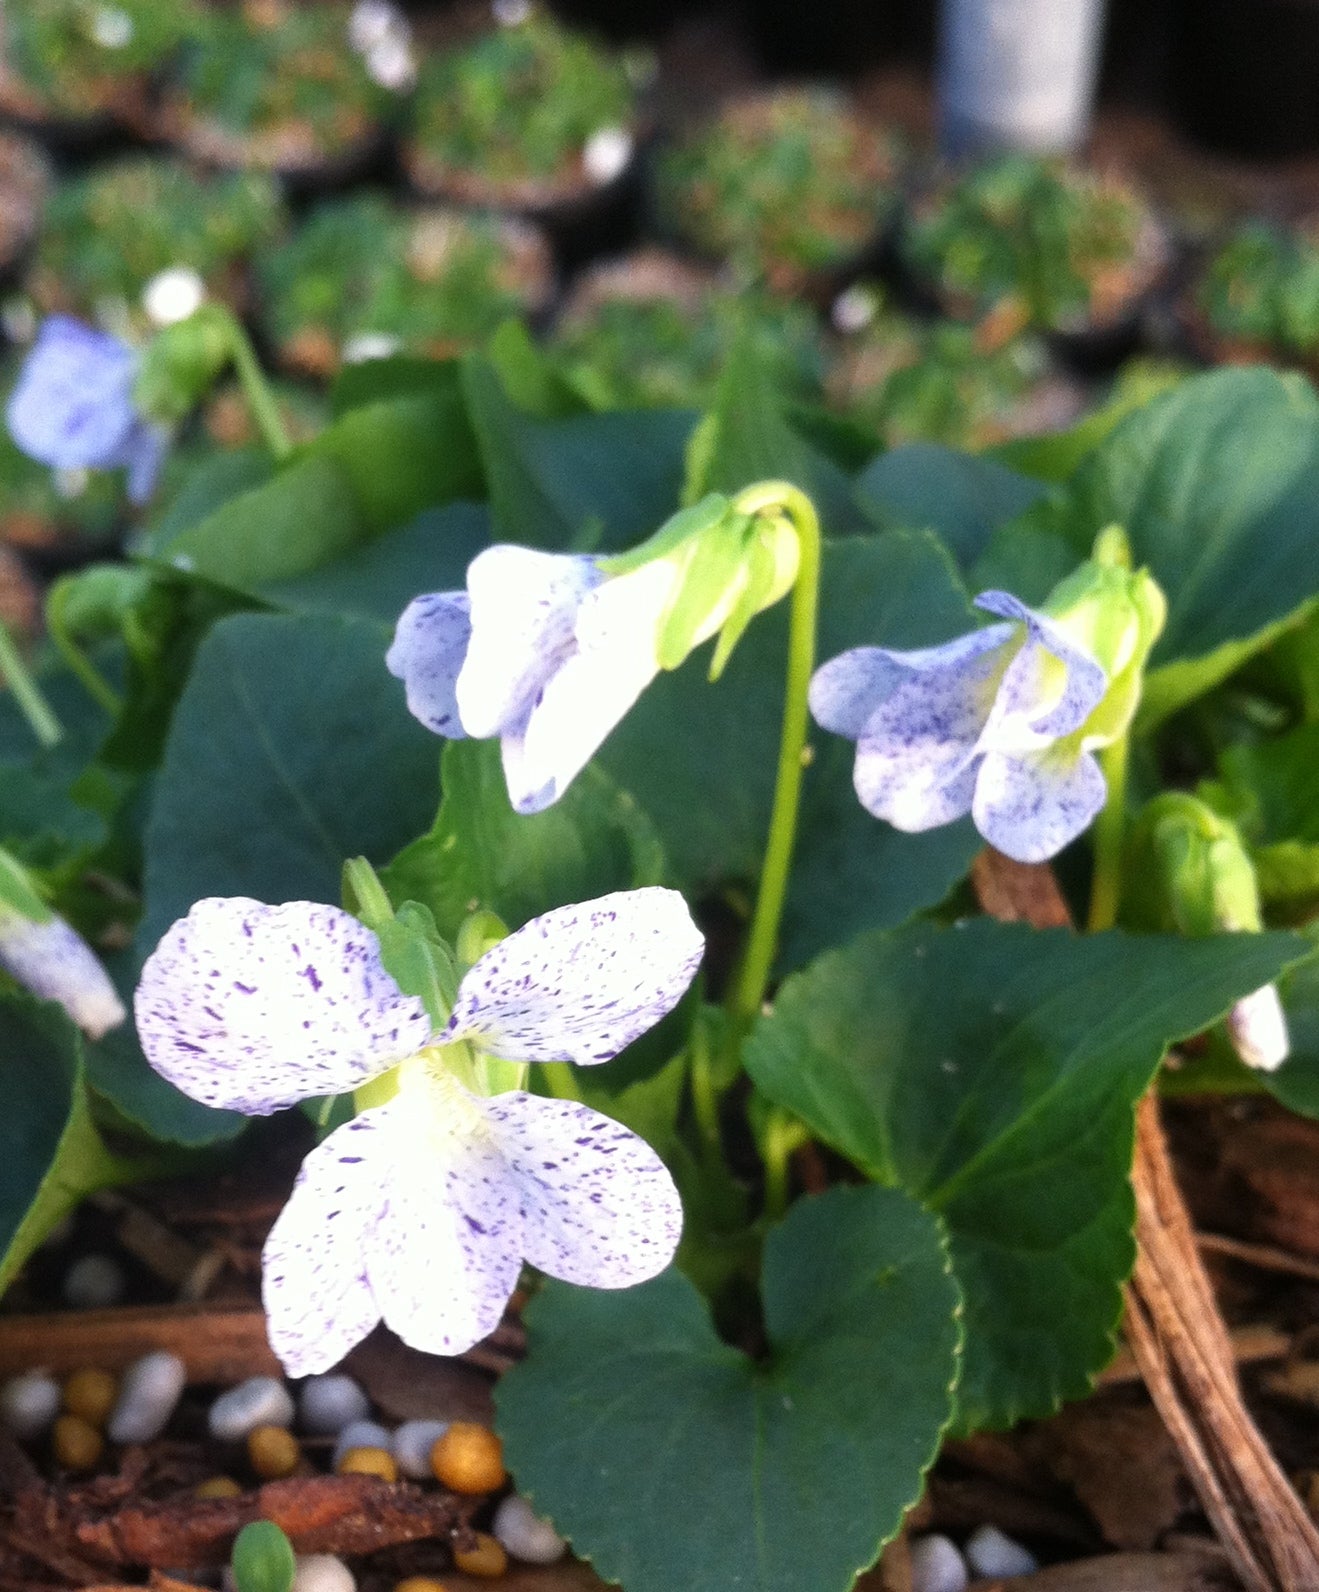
point(482, 856)
point(590, 482)
point(672, 1460)
point(379, 579)
point(963, 498)
point(992, 1071)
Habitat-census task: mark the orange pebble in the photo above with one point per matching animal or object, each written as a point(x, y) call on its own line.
point(486, 1558)
point(368, 1462)
point(273, 1451)
point(420, 1583)
point(469, 1459)
point(91, 1393)
point(77, 1443)
point(217, 1487)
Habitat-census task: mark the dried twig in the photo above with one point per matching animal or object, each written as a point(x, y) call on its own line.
point(217, 1343)
point(1175, 1332)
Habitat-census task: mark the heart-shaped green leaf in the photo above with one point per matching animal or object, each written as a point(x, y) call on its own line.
point(482, 856)
point(992, 1071)
point(672, 1460)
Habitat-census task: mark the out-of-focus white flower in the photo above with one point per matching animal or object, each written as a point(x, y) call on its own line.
point(172, 295)
point(606, 153)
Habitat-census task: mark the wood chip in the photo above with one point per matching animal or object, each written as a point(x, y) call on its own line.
point(217, 1343)
point(319, 1514)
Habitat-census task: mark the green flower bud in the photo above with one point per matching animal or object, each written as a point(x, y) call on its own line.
point(182, 361)
point(1116, 614)
point(1189, 870)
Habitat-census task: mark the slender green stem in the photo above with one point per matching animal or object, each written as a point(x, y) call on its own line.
point(783, 1134)
point(85, 671)
point(27, 693)
point(705, 1096)
point(1110, 829)
point(260, 399)
point(753, 976)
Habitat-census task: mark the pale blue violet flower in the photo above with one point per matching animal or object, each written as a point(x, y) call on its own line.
point(422, 1209)
point(993, 723)
point(548, 651)
point(73, 408)
point(48, 957)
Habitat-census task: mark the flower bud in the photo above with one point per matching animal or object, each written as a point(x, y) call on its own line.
point(181, 362)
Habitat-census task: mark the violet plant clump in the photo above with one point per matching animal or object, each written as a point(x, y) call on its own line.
point(422, 1208)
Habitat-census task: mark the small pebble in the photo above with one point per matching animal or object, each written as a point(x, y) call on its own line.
point(327, 1404)
point(360, 1434)
point(368, 1462)
point(93, 1283)
point(420, 1583)
point(527, 1535)
point(148, 1395)
point(260, 1401)
point(937, 1566)
point(486, 1558)
point(30, 1402)
point(994, 1555)
point(76, 1443)
point(469, 1459)
point(412, 1444)
point(273, 1452)
point(217, 1487)
point(322, 1572)
point(91, 1393)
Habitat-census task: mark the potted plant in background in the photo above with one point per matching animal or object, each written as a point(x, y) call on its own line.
point(364, 276)
point(792, 187)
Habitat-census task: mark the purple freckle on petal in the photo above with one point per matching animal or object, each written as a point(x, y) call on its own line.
point(310, 974)
point(245, 989)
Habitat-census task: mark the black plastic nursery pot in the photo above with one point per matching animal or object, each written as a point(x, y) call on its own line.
point(1244, 75)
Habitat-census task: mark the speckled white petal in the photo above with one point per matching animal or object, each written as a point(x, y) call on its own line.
point(256, 1007)
point(314, 1284)
point(580, 983)
point(429, 646)
point(1033, 804)
point(1049, 689)
point(845, 691)
point(593, 688)
point(523, 609)
point(598, 1205)
point(53, 961)
point(915, 758)
point(447, 1255)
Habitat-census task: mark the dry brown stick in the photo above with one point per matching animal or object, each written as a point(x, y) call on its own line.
point(1175, 1331)
point(1266, 1257)
point(217, 1343)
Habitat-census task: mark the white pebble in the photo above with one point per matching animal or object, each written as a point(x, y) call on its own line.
point(148, 1395)
point(93, 1283)
point(936, 1566)
point(991, 1553)
point(360, 1434)
point(29, 1403)
point(322, 1572)
point(326, 1404)
point(527, 1535)
point(260, 1401)
point(412, 1446)
point(363, 346)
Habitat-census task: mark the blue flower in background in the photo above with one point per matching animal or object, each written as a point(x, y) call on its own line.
point(73, 408)
point(994, 724)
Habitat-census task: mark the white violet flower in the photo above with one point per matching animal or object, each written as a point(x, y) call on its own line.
point(421, 1210)
point(548, 651)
